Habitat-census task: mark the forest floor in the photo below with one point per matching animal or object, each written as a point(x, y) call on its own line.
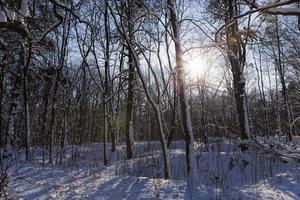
point(224, 173)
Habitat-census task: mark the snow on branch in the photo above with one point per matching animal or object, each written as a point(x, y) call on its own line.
point(277, 149)
point(274, 8)
point(10, 14)
point(284, 11)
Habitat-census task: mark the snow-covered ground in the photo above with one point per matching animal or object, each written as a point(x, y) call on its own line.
point(224, 173)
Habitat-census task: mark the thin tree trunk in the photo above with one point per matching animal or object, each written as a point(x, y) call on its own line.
point(281, 71)
point(106, 87)
point(174, 122)
point(105, 157)
point(83, 107)
point(26, 105)
point(202, 100)
point(174, 113)
point(163, 142)
point(61, 63)
point(260, 85)
point(52, 119)
point(184, 107)
point(44, 116)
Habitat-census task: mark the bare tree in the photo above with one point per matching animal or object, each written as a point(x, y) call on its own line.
point(184, 107)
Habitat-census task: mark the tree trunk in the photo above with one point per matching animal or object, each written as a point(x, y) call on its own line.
point(240, 102)
point(1, 116)
point(131, 82)
point(61, 62)
point(15, 83)
point(163, 142)
point(106, 86)
point(184, 107)
point(174, 114)
point(105, 157)
point(281, 71)
point(52, 119)
point(44, 116)
point(26, 105)
point(237, 58)
point(260, 84)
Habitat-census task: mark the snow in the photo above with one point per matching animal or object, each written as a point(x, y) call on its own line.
point(2, 16)
point(12, 15)
point(24, 10)
point(36, 182)
point(224, 174)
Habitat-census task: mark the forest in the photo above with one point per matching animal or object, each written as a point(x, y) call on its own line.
point(150, 99)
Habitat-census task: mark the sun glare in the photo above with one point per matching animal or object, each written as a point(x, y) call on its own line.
point(196, 67)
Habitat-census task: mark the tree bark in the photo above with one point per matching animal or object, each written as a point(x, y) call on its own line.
point(184, 107)
point(15, 84)
point(106, 85)
point(26, 105)
point(237, 58)
point(52, 119)
point(129, 130)
point(1, 97)
point(44, 116)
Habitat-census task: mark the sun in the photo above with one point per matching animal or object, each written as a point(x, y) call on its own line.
point(196, 67)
